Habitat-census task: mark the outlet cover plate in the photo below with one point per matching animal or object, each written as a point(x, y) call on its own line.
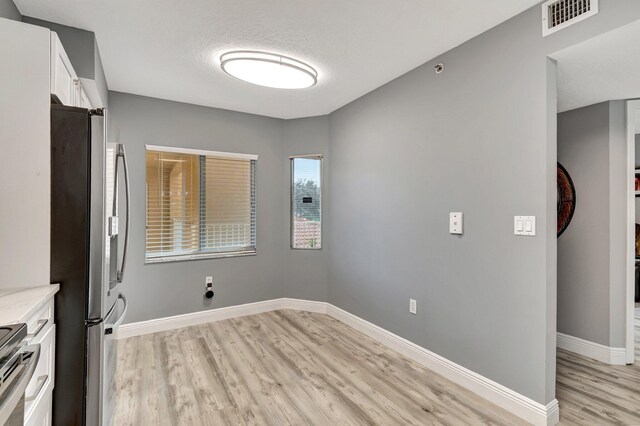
point(413, 306)
point(455, 223)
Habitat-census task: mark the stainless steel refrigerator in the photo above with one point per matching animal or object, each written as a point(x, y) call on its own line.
point(87, 236)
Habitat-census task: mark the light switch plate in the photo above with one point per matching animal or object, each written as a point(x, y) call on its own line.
point(524, 225)
point(455, 223)
point(413, 306)
point(209, 280)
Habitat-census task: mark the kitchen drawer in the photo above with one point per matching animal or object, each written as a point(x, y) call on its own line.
point(41, 384)
point(41, 415)
point(38, 322)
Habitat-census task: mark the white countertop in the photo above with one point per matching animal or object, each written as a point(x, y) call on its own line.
point(18, 304)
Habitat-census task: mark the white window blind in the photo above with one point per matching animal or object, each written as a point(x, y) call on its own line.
point(200, 204)
point(306, 200)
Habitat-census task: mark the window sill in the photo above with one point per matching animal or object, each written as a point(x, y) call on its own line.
point(199, 256)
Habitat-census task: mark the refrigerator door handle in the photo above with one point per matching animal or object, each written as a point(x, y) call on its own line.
point(108, 329)
point(122, 154)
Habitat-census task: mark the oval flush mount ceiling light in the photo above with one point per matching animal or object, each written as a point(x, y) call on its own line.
point(268, 69)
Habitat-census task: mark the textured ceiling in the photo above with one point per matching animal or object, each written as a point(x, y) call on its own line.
point(600, 69)
point(169, 49)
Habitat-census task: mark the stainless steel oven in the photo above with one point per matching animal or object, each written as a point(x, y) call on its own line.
point(17, 365)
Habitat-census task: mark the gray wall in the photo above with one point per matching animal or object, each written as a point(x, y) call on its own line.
point(481, 139)
point(9, 10)
point(591, 252)
point(161, 290)
point(306, 272)
point(99, 76)
point(617, 223)
point(424, 145)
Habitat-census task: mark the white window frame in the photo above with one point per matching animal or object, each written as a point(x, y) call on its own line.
point(198, 255)
point(291, 202)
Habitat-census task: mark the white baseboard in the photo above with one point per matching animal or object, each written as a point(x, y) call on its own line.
point(520, 405)
point(196, 318)
point(304, 305)
point(602, 353)
point(500, 395)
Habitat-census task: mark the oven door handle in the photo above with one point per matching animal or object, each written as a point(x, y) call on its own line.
point(27, 358)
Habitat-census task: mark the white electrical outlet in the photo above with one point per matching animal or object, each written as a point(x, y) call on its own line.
point(413, 306)
point(209, 280)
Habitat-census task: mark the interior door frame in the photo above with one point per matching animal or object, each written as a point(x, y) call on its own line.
point(633, 107)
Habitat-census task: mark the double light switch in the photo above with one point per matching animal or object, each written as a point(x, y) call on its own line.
point(524, 225)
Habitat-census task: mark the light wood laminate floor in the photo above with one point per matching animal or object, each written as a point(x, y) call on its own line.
point(593, 393)
point(284, 367)
point(299, 368)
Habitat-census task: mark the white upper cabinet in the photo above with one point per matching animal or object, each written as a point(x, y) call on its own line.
point(66, 87)
point(82, 100)
point(63, 77)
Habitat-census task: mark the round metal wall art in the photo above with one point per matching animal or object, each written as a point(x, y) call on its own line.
point(566, 199)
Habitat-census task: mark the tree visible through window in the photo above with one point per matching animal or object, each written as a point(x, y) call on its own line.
point(306, 215)
point(199, 204)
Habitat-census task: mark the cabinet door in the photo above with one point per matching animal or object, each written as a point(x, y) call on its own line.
point(39, 388)
point(84, 100)
point(42, 415)
point(63, 77)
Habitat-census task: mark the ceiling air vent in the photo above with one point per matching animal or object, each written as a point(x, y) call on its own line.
point(560, 14)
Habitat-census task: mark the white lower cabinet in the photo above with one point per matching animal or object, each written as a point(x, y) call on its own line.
point(42, 413)
point(38, 395)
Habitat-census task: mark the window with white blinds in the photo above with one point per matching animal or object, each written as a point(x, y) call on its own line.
point(200, 204)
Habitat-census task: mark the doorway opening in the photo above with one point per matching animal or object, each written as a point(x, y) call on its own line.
point(598, 128)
